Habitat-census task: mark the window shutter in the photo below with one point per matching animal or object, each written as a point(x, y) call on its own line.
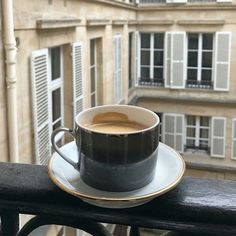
point(167, 58)
point(234, 139)
point(77, 78)
point(177, 67)
point(40, 99)
point(222, 61)
point(137, 64)
point(173, 127)
point(218, 137)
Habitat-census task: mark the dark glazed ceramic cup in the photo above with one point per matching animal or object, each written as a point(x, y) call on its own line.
point(122, 161)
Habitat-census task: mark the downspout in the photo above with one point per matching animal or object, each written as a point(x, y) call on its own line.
point(10, 74)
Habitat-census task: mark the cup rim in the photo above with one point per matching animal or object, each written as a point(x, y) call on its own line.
point(122, 133)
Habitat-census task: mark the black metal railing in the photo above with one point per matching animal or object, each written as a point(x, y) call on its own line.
point(199, 84)
point(151, 82)
point(194, 207)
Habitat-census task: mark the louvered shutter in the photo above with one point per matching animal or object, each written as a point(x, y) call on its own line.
point(40, 101)
point(167, 58)
point(234, 139)
point(137, 64)
point(77, 77)
point(218, 137)
point(222, 61)
point(173, 127)
point(177, 68)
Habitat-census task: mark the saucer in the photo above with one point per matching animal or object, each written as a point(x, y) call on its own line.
point(169, 172)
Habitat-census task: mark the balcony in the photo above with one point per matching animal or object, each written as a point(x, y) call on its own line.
point(194, 207)
point(199, 84)
point(151, 82)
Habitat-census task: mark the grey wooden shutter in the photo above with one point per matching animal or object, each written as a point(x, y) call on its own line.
point(222, 61)
point(77, 68)
point(167, 58)
point(173, 128)
point(234, 139)
point(40, 102)
point(218, 137)
point(177, 68)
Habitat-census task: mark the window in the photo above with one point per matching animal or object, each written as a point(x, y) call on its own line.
point(160, 126)
point(197, 132)
point(130, 59)
point(93, 72)
point(152, 59)
point(56, 89)
point(199, 60)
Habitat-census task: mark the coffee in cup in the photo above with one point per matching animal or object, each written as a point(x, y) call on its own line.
point(117, 146)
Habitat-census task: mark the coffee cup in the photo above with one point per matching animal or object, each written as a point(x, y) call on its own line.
point(117, 146)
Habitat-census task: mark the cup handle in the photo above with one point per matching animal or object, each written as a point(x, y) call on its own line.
point(70, 132)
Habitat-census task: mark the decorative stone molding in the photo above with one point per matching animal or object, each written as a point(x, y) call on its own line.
point(57, 23)
point(98, 22)
point(201, 22)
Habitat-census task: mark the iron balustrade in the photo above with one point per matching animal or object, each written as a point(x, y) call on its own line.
point(194, 207)
point(199, 84)
point(151, 82)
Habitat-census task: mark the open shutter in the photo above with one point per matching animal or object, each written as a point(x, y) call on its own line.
point(234, 139)
point(173, 128)
point(177, 67)
point(137, 64)
point(167, 58)
point(77, 79)
point(222, 61)
point(40, 99)
point(218, 137)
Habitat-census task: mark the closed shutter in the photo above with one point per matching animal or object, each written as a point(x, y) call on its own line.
point(222, 61)
point(234, 139)
point(218, 137)
point(77, 69)
point(177, 68)
point(167, 58)
point(137, 64)
point(40, 101)
point(173, 128)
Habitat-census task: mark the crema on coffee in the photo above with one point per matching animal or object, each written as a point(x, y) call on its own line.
point(114, 122)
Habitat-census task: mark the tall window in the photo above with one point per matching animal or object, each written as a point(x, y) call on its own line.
point(199, 62)
point(131, 56)
point(197, 132)
point(152, 58)
point(93, 72)
point(56, 89)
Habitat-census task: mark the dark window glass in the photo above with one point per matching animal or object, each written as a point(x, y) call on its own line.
point(204, 121)
point(191, 132)
point(190, 143)
point(206, 59)
point(158, 73)
point(130, 59)
point(192, 59)
point(193, 41)
point(204, 133)
point(145, 72)
point(191, 120)
point(93, 100)
point(145, 40)
point(207, 41)
point(57, 124)
point(192, 74)
point(92, 79)
point(158, 41)
point(55, 63)
point(158, 58)
point(92, 52)
point(206, 75)
point(56, 104)
point(145, 57)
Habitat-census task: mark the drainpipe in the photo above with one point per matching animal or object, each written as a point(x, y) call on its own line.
point(10, 74)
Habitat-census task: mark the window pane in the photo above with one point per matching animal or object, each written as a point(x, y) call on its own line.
point(93, 100)
point(57, 124)
point(203, 144)
point(207, 41)
point(56, 63)
point(93, 78)
point(145, 57)
point(158, 58)
point(158, 73)
point(204, 133)
point(158, 41)
point(206, 75)
point(204, 121)
point(191, 132)
point(56, 104)
point(192, 74)
point(207, 59)
point(193, 41)
point(192, 59)
point(145, 40)
point(190, 143)
point(191, 120)
point(145, 72)
point(92, 52)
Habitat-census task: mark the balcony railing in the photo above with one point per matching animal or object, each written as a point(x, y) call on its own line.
point(199, 84)
point(194, 207)
point(151, 82)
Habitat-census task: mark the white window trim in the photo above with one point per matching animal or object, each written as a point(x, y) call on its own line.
point(95, 74)
point(233, 139)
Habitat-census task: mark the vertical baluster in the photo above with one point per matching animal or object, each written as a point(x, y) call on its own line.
point(10, 224)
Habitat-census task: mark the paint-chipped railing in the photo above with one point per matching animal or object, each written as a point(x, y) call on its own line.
point(194, 207)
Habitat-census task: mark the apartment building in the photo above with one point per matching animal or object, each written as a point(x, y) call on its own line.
point(176, 58)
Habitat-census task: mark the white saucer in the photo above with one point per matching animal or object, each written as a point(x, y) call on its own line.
point(169, 172)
